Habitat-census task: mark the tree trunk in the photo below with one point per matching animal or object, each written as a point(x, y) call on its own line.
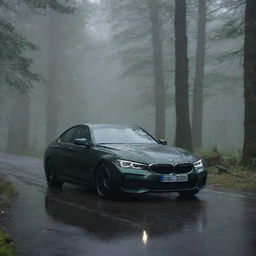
point(197, 115)
point(158, 70)
point(53, 73)
point(18, 135)
point(183, 130)
point(249, 149)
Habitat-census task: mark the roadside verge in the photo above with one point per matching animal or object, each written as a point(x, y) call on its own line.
point(7, 194)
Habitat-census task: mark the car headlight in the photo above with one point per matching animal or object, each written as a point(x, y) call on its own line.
point(130, 165)
point(199, 165)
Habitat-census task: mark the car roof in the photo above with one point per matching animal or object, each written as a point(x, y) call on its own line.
point(91, 126)
point(109, 125)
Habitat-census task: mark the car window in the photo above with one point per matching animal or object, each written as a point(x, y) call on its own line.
point(67, 137)
point(82, 132)
point(121, 135)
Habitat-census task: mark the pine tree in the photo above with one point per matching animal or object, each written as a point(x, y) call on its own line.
point(249, 149)
point(183, 130)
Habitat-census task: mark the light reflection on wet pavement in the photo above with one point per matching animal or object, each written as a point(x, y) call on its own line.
point(74, 222)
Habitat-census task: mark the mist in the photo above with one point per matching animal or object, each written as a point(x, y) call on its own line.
point(96, 65)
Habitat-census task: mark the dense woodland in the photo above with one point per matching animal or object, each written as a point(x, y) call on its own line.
point(184, 70)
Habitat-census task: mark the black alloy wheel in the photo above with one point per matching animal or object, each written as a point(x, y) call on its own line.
point(103, 181)
point(50, 174)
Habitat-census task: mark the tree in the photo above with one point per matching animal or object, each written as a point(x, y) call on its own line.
point(249, 149)
point(158, 69)
point(183, 131)
point(66, 46)
point(197, 114)
point(137, 30)
point(54, 66)
point(15, 71)
point(15, 68)
point(18, 135)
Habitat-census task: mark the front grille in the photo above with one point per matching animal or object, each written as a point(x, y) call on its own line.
point(183, 168)
point(162, 168)
point(170, 168)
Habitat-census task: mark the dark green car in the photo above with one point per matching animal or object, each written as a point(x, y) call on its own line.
point(121, 158)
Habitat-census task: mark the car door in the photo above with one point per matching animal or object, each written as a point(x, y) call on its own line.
point(65, 149)
point(82, 157)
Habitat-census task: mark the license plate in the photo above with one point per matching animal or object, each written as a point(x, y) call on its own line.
point(174, 178)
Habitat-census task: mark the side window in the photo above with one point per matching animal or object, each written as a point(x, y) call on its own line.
point(67, 137)
point(82, 132)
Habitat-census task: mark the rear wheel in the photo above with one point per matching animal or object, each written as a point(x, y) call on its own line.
point(189, 193)
point(50, 174)
point(103, 181)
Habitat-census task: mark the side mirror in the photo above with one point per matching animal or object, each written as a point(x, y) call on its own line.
point(82, 142)
point(163, 142)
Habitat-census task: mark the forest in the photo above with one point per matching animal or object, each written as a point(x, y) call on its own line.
point(185, 70)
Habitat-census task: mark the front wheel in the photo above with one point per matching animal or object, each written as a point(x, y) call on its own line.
point(103, 181)
point(189, 193)
point(50, 174)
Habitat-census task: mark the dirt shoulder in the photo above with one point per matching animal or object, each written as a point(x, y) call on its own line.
point(232, 179)
point(7, 194)
point(225, 170)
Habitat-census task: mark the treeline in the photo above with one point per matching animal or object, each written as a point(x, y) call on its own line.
point(180, 60)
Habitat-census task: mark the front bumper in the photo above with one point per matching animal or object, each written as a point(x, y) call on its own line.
point(143, 181)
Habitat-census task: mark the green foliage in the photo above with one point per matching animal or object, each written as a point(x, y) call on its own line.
point(225, 31)
point(14, 66)
point(6, 188)
point(237, 178)
point(7, 191)
point(39, 4)
point(131, 29)
point(251, 165)
point(233, 28)
point(132, 35)
point(6, 245)
point(14, 70)
point(216, 157)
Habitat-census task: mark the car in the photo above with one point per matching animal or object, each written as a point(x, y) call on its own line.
point(113, 158)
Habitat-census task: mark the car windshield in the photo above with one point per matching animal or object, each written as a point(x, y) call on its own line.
point(121, 135)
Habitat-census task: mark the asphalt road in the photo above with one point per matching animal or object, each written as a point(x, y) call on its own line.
point(74, 222)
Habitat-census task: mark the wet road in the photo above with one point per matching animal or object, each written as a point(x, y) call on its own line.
point(76, 223)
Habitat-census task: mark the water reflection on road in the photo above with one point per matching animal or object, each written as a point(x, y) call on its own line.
point(73, 222)
point(146, 216)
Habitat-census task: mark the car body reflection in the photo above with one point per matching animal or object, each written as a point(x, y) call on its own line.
point(146, 216)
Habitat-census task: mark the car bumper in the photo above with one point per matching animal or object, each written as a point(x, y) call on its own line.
point(143, 181)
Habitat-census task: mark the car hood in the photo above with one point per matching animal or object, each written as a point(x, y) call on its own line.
point(149, 153)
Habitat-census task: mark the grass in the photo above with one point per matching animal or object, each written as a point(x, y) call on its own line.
point(225, 170)
point(6, 245)
point(237, 180)
point(7, 193)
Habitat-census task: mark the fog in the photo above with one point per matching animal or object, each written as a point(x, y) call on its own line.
point(95, 66)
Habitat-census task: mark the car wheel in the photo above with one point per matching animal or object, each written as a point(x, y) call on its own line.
point(103, 181)
point(189, 193)
point(50, 174)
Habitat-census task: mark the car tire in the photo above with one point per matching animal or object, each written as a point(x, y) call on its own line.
point(189, 193)
point(103, 181)
point(50, 173)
